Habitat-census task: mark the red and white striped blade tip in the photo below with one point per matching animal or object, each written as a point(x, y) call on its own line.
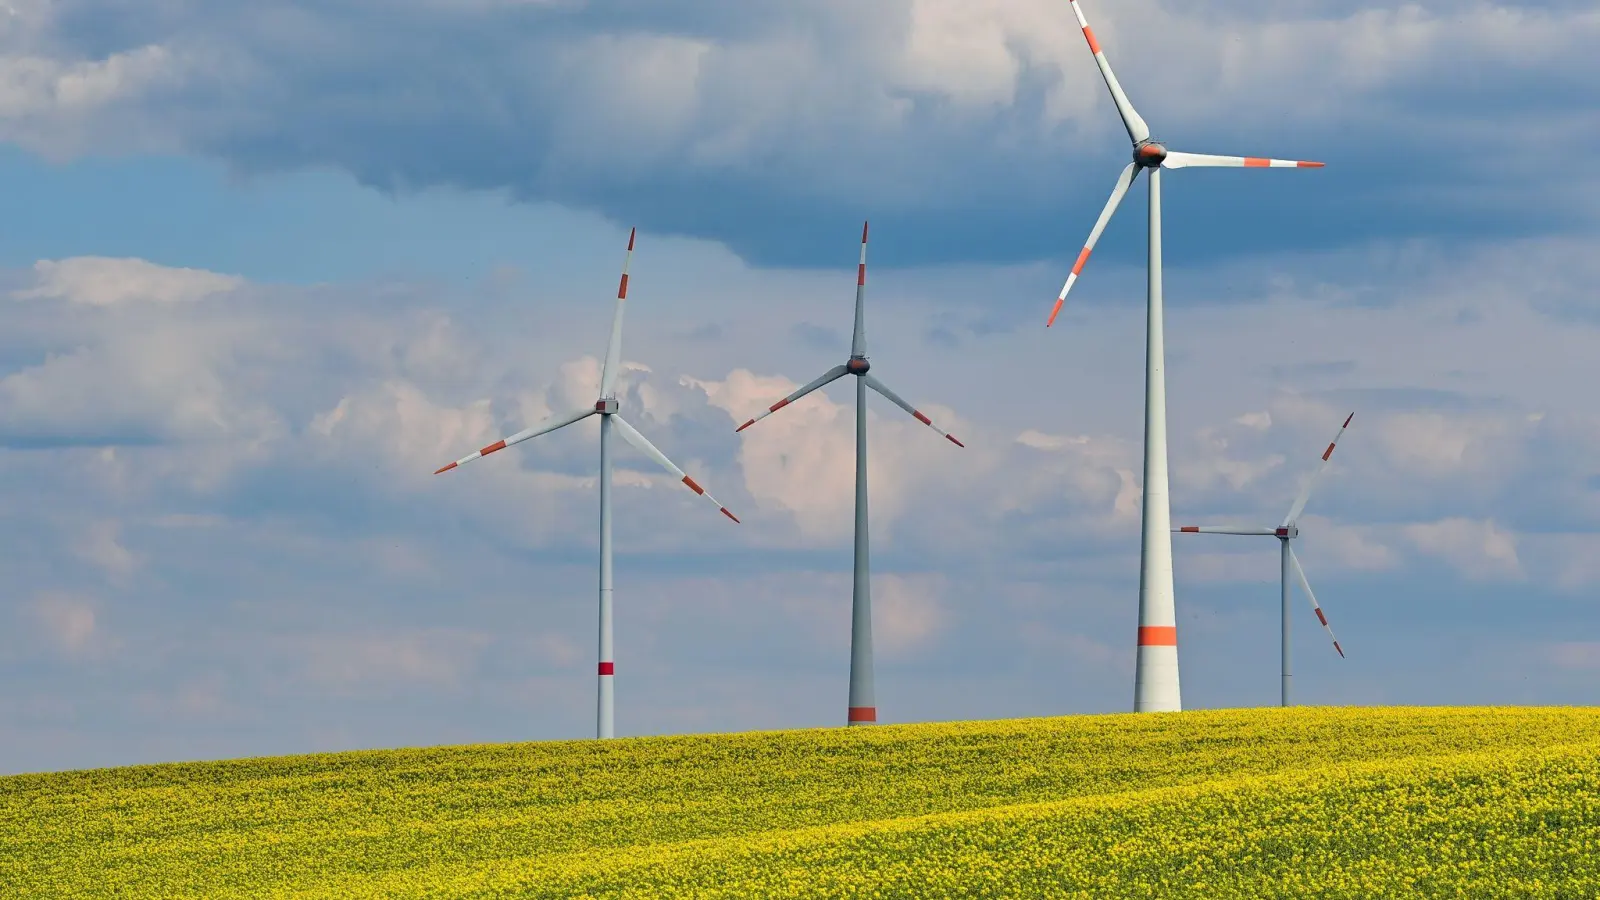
point(632, 232)
point(730, 515)
point(1340, 649)
point(1055, 311)
point(1262, 162)
point(952, 439)
point(443, 469)
point(864, 232)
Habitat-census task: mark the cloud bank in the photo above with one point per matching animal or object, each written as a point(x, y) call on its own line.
point(768, 126)
point(227, 537)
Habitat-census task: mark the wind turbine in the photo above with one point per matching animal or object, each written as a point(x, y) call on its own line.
point(1156, 676)
point(606, 409)
point(1286, 533)
point(863, 708)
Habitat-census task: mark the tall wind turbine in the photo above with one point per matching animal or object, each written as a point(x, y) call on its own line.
point(1288, 531)
point(1156, 676)
point(606, 409)
point(863, 708)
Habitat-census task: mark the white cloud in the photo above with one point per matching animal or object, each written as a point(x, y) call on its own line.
point(61, 106)
point(1479, 548)
point(946, 99)
point(342, 551)
point(396, 421)
point(908, 612)
point(134, 380)
point(102, 281)
point(100, 546)
point(1349, 547)
point(1433, 444)
point(437, 656)
point(1260, 421)
point(802, 460)
point(1208, 462)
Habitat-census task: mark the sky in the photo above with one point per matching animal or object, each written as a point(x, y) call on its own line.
point(265, 266)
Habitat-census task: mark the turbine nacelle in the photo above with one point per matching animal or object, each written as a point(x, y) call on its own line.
point(858, 365)
point(1149, 154)
point(1288, 531)
point(606, 406)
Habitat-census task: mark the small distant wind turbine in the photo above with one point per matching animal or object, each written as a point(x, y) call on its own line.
point(863, 708)
point(1156, 673)
point(1285, 533)
point(606, 409)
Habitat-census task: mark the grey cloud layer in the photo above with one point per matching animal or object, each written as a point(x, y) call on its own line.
point(226, 539)
point(756, 124)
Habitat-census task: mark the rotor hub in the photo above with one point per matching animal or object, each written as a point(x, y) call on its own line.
point(857, 365)
point(1149, 154)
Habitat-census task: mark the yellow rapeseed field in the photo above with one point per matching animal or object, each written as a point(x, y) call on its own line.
point(1392, 802)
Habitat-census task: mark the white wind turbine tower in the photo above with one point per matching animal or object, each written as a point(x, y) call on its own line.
point(1288, 531)
point(1156, 677)
point(606, 408)
point(863, 705)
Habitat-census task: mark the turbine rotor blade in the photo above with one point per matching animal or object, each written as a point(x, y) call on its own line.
point(548, 425)
point(1224, 529)
point(1124, 181)
point(632, 436)
point(1137, 129)
point(1311, 482)
point(1176, 160)
point(832, 374)
point(858, 337)
point(894, 398)
point(1301, 575)
point(608, 374)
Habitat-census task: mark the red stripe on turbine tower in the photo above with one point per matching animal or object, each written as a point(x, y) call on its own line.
point(863, 714)
point(1158, 636)
point(608, 668)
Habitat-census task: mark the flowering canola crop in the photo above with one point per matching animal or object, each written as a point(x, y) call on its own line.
point(1249, 803)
